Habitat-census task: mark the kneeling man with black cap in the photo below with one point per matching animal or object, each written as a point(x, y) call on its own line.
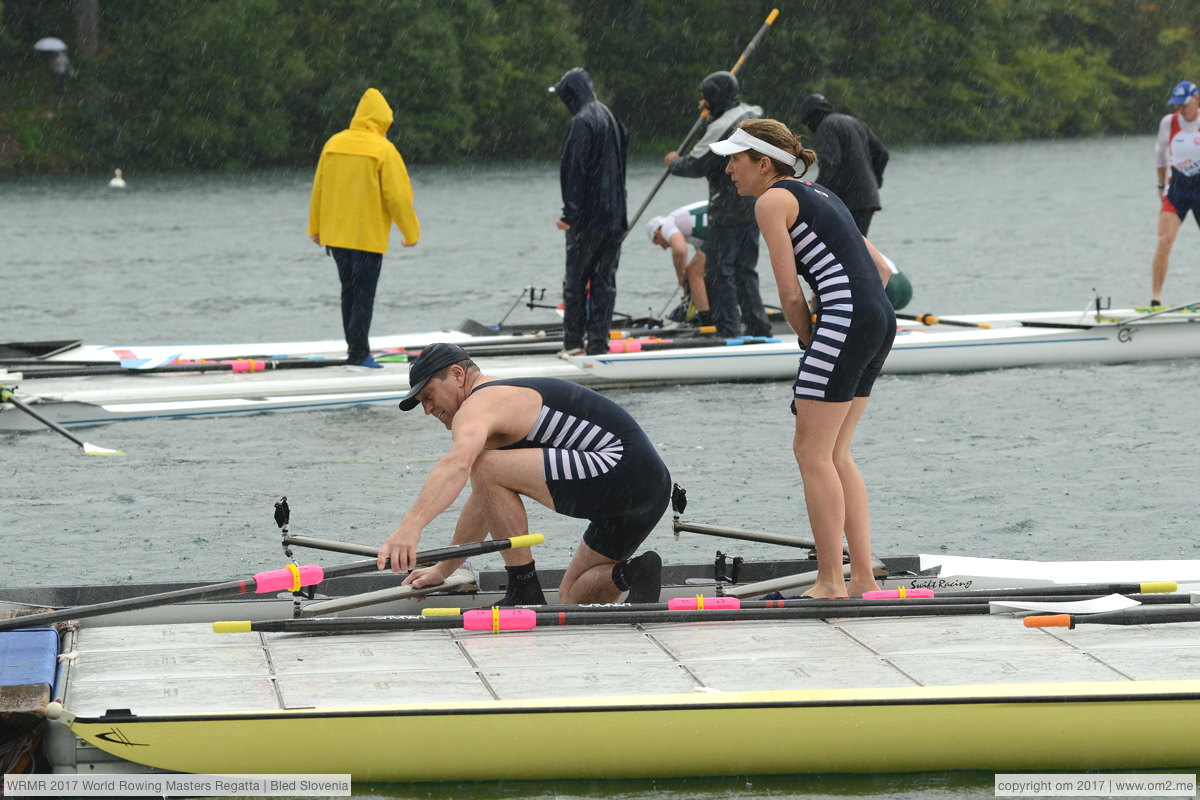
point(569, 448)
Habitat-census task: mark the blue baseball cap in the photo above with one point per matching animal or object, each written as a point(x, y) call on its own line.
point(1183, 91)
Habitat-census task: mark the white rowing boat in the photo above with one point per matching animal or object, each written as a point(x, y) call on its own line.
point(830, 690)
point(973, 342)
point(139, 391)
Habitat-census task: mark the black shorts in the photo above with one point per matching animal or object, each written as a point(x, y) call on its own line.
point(846, 353)
point(1183, 195)
point(623, 506)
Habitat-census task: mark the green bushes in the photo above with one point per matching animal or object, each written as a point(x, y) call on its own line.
point(229, 84)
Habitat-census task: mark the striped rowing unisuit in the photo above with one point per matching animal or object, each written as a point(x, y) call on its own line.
point(837, 309)
point(575, 447)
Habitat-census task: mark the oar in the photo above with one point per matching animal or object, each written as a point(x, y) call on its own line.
point(726, 602)
point(934, 319)
point(1154, 615)
point(1149, 587)
point(650, 345)
point(548, 346)
point(1161, 311)
point(750, 48)
point(6, 396)
point(500, 619)
point(289, 578)
point(229, 365)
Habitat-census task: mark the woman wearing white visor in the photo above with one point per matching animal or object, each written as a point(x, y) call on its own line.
point(846, 328)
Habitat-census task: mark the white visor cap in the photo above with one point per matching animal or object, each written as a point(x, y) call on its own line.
point(741, 141)
point(652, 227)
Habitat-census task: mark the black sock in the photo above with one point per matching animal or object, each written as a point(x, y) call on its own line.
point(524, 588)
point(642, 576)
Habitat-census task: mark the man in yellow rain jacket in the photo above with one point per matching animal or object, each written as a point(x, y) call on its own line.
point(360, 189)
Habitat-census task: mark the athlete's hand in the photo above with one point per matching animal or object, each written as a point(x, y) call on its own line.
point(426, 576)
point(400, 549)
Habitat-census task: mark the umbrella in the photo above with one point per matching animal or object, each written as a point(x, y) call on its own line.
point(49, 44)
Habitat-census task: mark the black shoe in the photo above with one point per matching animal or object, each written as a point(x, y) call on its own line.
point(524, 588)
point(644, 576)
point(521, 598)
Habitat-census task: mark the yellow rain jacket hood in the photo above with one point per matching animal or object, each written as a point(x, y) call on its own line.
point(361, 186)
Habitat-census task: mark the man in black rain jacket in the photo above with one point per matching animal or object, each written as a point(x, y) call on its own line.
point(731, 270)
point(850, 157)
point(593, 193)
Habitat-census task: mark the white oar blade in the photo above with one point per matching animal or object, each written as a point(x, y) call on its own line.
point(149, 363)
point(93, 450)
point(1113, 602)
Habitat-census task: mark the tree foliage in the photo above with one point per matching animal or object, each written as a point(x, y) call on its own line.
point(241, 83)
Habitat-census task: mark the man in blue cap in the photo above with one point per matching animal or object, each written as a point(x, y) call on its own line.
point(1177, 149)
point(571, 449)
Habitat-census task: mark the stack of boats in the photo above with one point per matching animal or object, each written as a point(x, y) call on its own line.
point(73, 383)
point(970, 663)
point(979, 664)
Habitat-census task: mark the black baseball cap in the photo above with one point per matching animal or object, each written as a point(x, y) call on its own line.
point(432, 360)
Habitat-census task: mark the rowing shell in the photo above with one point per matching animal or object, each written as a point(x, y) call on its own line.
point(1000, 728)
point(1012, 340)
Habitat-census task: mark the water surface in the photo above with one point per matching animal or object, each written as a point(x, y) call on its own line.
point(1047, 463)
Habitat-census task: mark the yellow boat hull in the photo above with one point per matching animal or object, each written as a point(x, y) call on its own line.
point(1012, 728)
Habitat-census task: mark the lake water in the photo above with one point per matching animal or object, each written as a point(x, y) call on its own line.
point(1044, 463)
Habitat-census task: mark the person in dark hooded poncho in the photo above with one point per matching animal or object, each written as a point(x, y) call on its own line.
point(850, 157)
point(732, 247)
point(593, 193)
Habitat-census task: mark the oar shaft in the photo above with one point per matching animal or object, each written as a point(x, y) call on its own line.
point(240, 365)
point(1150, 587)
point(750, 48)
point(543, 619)
point(827, 605)
point(249, 585)
point(934, 319)
point(208, 592)
point(737, 65)
point(7, 397)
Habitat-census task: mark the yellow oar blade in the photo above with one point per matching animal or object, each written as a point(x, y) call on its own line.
point(93, 450)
